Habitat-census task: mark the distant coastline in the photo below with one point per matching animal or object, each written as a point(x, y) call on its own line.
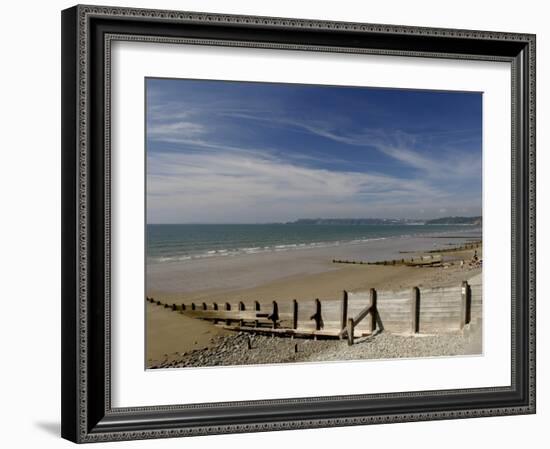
point(474, 221)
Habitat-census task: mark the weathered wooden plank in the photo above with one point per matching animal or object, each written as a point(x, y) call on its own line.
point(392, 304)
point(447, 321)
point(394, 316)
point(442, 291)
point(396, 327)
point(393, 307)
point(454, 312)
point(388, 300)
point(440, 297)
point(441, 306)
point(393, 295)
point(442, 317)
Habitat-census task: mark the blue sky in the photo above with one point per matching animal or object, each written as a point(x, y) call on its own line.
point(238, 152)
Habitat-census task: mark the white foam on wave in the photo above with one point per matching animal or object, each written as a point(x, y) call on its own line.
point(262, 249)
point(250, 250)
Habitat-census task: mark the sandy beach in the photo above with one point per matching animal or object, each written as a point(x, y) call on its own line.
point(286, 275)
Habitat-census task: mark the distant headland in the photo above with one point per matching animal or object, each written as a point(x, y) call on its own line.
point(474, 221)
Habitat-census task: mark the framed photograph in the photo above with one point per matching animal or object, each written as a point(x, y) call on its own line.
point(284, 223)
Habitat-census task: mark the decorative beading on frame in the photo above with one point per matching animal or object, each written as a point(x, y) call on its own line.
point(188, 16)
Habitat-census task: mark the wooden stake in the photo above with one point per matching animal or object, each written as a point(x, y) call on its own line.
point(227, 307)
point(294, 314)
point(373, 309)
point(317, 315)
point(257, 309)
point(241, 307)
point(274, 317)
point(415, 309)
point(465, 306)
point(351, 330)
point(344, 311)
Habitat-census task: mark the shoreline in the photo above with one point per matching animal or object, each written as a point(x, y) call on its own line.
point(236, 272)
point(473, 231)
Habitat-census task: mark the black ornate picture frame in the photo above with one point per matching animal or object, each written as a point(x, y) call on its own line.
point(87, 34)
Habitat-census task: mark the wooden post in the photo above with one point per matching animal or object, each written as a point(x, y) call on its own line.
point(241, 307)
point(317, 315)
point(415, 309)
point(182, 307)
point(174, 307)
point(274, 314)
point(204, 306)
point(344, 312)
point(257, 309)
point(193, 307)
point(215, 307)
point(227, 307)
point(294, 314)
point(373, 309)
point(351, 331)
point(465, 305)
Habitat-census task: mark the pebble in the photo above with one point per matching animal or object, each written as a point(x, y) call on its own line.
point(232, 350)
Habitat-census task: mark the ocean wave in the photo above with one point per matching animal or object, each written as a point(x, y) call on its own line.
point(258, 250)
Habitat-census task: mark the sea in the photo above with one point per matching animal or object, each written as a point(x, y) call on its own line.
point(180, 242)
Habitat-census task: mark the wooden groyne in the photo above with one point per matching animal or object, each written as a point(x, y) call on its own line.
point(431, 258)
point(431, 261)
point(464, 247)
point(412, 311)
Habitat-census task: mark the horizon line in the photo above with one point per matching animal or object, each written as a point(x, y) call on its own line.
point(316, 218)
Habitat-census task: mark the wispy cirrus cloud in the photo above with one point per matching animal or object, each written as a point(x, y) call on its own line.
point(218, 155)
point(204, 187)
point(397, 144)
